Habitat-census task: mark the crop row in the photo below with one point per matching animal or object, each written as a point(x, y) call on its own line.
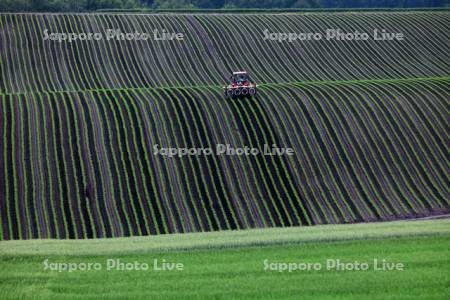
point(82, 164)
point(212, 47)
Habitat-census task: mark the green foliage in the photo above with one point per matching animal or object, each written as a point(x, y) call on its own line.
point(65, 5)
point(173, 4)
point(91, 5)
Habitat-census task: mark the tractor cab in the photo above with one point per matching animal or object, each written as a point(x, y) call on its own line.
point(239, 78)
point(240, 85)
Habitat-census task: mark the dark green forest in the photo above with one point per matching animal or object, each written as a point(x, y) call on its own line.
point(92, 5)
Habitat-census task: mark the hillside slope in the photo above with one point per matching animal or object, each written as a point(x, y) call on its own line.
point(81, 121)
point(212, 47)
point(82, 164)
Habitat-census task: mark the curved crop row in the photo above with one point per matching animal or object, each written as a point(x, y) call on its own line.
point(213, 46)
point(82, 164)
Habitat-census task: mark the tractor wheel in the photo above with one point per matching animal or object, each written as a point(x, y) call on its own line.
point(252, 91)
point(237, 92)
point(229, 92)
point(244, 92)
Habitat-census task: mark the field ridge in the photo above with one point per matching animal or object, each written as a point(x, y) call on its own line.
point(260, 85)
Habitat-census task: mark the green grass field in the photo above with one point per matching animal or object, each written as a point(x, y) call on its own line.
point(231, 265)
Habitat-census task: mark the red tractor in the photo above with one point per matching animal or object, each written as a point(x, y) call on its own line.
point(240, 85)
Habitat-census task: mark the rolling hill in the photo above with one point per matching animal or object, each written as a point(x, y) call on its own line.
point(367, 120)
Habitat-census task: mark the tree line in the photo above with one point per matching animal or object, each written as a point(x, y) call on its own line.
point(92, 5)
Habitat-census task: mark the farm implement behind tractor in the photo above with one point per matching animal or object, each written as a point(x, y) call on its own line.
point(240, 85)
